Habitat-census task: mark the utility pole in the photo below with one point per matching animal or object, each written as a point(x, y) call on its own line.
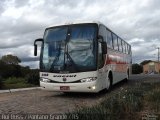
point(158, 59)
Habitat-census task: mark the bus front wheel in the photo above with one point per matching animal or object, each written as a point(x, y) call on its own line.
point(109, 82)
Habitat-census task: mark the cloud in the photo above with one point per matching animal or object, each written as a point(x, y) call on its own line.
point(1, 6)
point(22, 21)
point(142, 49)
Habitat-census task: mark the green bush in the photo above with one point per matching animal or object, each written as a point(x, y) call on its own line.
point(1, 83)
point(132, 101)
point(120, 106)
point(153, 99)
point(18, 85)
point(127, 104)
point(14, 82)
point(33, 77)
point(137, 69)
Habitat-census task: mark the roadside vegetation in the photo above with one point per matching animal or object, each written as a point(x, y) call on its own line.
point(14, 82)
point(136, 102)
point(138, 68)
point(13, 75)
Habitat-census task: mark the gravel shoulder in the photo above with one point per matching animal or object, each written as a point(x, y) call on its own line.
point(43, 102)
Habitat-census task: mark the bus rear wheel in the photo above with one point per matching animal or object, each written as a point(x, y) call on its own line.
point(127, 77)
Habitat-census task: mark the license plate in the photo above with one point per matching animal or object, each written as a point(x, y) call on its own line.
point(64, 88)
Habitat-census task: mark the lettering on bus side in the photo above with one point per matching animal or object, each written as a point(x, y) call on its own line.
point(64, 75)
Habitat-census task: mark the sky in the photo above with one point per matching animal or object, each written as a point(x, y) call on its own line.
point(23, 21)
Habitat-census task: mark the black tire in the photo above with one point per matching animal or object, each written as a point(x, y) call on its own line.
point(127, 78)
point(109, 81)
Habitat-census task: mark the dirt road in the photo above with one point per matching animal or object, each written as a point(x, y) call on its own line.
point(44, 102)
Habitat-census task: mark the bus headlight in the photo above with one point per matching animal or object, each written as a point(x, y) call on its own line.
point(45, 80)
point(89, 79)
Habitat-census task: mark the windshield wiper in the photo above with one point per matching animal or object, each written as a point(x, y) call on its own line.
point(71, 62)
point(69, 65)
point(57, 57)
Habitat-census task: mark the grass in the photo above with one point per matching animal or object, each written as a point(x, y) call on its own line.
point(13, 83)
point(127, 104)
point(153, 99)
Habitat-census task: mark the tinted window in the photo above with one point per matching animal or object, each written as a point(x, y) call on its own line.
point(115, 42)
point(103, 32)
point(126, 48)
point(64, 49)
point(120, 45)
point(109, 39)
point(123, 46)
point(129, 49)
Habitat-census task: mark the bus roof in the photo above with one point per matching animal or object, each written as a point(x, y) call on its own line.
point(76, 22)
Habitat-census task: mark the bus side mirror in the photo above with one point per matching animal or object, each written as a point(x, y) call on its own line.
point(35, 50)
point(104, 44)
point(100, 38)
point(104, 47)
point(35, 45)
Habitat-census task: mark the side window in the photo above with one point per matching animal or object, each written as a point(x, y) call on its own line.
point(120, 45)
point(129, 49)
point(103, 32)
point(100, 56)
point(124, 48)
point(109, 40)
point(115, 42)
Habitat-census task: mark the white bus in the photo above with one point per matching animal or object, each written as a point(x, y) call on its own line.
point(82, 57)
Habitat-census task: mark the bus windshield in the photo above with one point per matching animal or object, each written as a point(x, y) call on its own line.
point(69, 49)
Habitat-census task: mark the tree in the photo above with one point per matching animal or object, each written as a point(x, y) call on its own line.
point(9, 66)
point(3, 69)
point(25, 71)
point(10, 59)
point(33, 77)
point(1, 83)
point(137, 69)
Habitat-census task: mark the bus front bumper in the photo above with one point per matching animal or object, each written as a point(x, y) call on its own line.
point(70, 87)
